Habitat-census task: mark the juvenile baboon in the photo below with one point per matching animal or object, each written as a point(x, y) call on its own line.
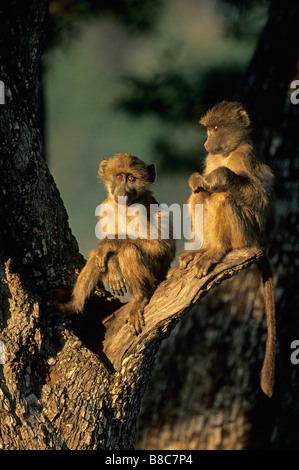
point(236, 189)
point(122, 261)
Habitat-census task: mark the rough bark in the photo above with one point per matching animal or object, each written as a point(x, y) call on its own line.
point(65, 383)
point(57, 392)
point(34, 233)
point(211, 398)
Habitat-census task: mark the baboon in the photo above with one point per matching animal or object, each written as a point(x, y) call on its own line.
point(126, 260)
point(236, 190)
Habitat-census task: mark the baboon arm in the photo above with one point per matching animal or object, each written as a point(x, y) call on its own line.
point(224, 179)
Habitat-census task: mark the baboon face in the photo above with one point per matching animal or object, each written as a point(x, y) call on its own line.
point(215, 142)
point(125, 175)
point(228, 125)
point(125, 185)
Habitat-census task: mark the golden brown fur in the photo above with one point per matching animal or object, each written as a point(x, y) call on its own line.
point(138, 265)
point(235, 189)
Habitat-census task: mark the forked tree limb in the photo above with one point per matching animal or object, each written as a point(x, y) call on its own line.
point(170, 302)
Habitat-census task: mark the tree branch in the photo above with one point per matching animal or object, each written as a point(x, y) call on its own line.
point(170, 302)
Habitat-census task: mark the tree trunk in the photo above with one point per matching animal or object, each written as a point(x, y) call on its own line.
point(64, 383)
point(211, 399)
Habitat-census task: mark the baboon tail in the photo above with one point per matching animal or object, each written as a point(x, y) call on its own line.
point(268, 369)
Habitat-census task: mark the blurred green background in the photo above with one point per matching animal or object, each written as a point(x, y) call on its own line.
point(135, 76)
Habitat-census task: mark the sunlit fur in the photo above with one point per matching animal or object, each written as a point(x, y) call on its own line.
point(138, 265)
point(236, 190)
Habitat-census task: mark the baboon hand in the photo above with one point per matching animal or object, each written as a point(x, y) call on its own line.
point(197, 182)
point(185, 259)
point(203, 263)
point(102, 256)
point(202, 268)
point(116, 283)
point(135, 320)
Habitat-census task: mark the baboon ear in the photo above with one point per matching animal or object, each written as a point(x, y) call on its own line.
point(102, 167)
point(151, 173)
point(243, 117)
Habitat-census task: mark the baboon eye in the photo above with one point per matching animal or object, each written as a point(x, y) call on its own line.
point(131, 178)
point(119, 176)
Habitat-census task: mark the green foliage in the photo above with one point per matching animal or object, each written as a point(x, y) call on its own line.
point(185, 79)
point(66, 15)
point(243, 17)
point(176, 98)
point(179, 101)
